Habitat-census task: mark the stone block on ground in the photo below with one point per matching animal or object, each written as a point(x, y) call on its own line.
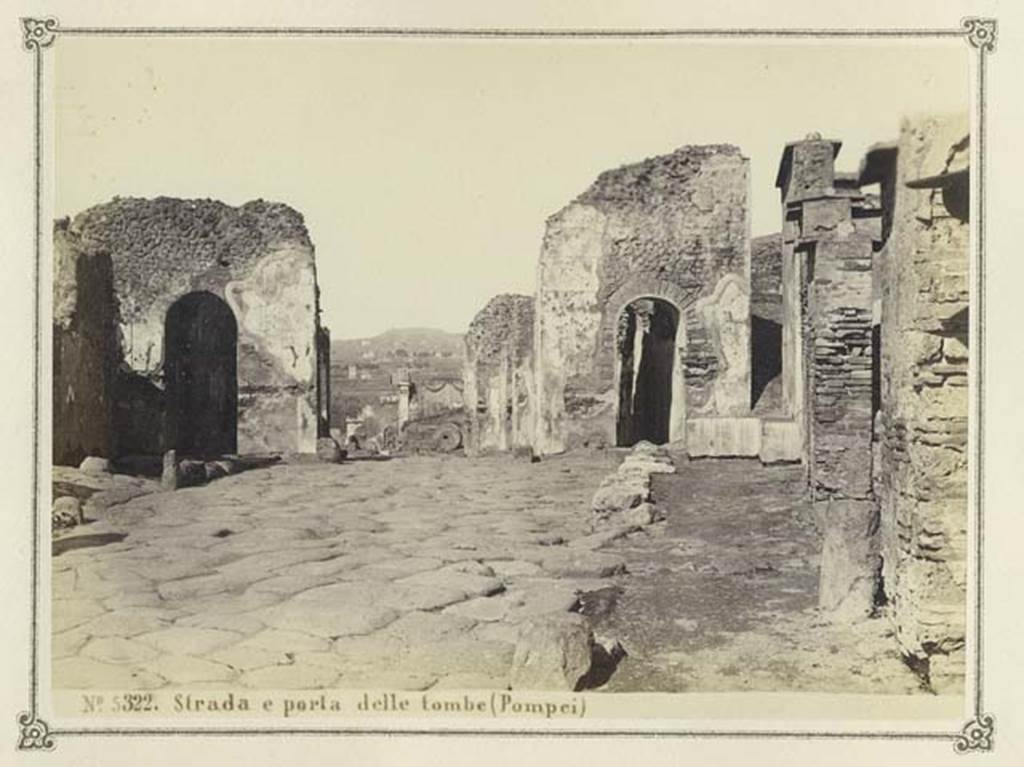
point(95, 465)
point(642, 515)
point(617, 496)
point(67, 512)
point(850, 564)
point(580, 563)
point(552, 653)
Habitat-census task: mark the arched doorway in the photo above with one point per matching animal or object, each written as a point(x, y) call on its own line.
point(200, 371)
point(650, 390)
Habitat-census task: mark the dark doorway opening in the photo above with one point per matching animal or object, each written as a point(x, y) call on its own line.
point(200, 371)
point(647, 349)
point(765, 363)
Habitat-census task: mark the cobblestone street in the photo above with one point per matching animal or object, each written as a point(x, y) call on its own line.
point(416, 572)
point(406, 573)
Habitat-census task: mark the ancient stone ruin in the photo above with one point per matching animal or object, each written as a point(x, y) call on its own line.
point(839, 344)
point(643, 308)
point(920, 436)
point(187, 325)
point(499, 374)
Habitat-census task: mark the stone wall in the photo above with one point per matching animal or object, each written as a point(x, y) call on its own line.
point(921, 468)
point(766, 277)
point(498, 380)
point(830, 233)
point(674, 228)
point(84, 349)
point(258, 259)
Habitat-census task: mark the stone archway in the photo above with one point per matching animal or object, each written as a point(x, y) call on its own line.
point(200, 373)
point(676, 299)
point(649, 369)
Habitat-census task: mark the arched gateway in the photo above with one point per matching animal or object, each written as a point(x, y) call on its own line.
point(200, 373)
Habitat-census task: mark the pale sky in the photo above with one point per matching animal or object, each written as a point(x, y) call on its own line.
point(425, 169)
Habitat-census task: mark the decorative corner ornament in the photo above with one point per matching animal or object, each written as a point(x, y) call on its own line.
point(981, 33)
point(976, 735)
point(35, 733)
point(40, 33)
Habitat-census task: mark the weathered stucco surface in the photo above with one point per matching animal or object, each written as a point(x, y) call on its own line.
point(674, 228)
point(258, 259)
point(498, 387)
point(921, 471)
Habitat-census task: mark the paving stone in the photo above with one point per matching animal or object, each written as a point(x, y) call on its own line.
point(243, 658)
point(459, 656)
point(228, 603)
point(326, 568)
point(419, 626)
point(79, 673)
point(286, 641)
point(496, 631)
point(469, 584)
point(198, 586)
point(413, 681)
point(392, 569)
point(291, 677)
point(330, 611)
point(541, 597)
point(118, 650)
point(63, 581)
point(68, 613)
point(68, 643)
point(260, 565)
point(368, 651)
point(471, 567)
point(576, 563)
point(513, 568)
point(407, 597)
point(286, 585)
point(187, 640)
point(469, 681)
point(147, 597)
point(185, 669)
point(483, 608)
point(243, 624)
point(129, 621)
point(328, 658)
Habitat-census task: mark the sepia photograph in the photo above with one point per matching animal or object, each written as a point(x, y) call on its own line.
point(539, 376)
point(630, 391)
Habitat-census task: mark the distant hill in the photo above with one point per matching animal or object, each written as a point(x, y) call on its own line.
point(398, 344)
point(363, 369)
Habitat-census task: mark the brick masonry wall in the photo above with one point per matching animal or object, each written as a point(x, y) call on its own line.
point(922, 463)
point(840, 367)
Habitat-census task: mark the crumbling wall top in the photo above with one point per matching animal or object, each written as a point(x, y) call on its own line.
point(507, 318)
point(651, 181)
point(157, 242)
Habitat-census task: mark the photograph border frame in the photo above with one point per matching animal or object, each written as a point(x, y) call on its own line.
point(980, 33)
